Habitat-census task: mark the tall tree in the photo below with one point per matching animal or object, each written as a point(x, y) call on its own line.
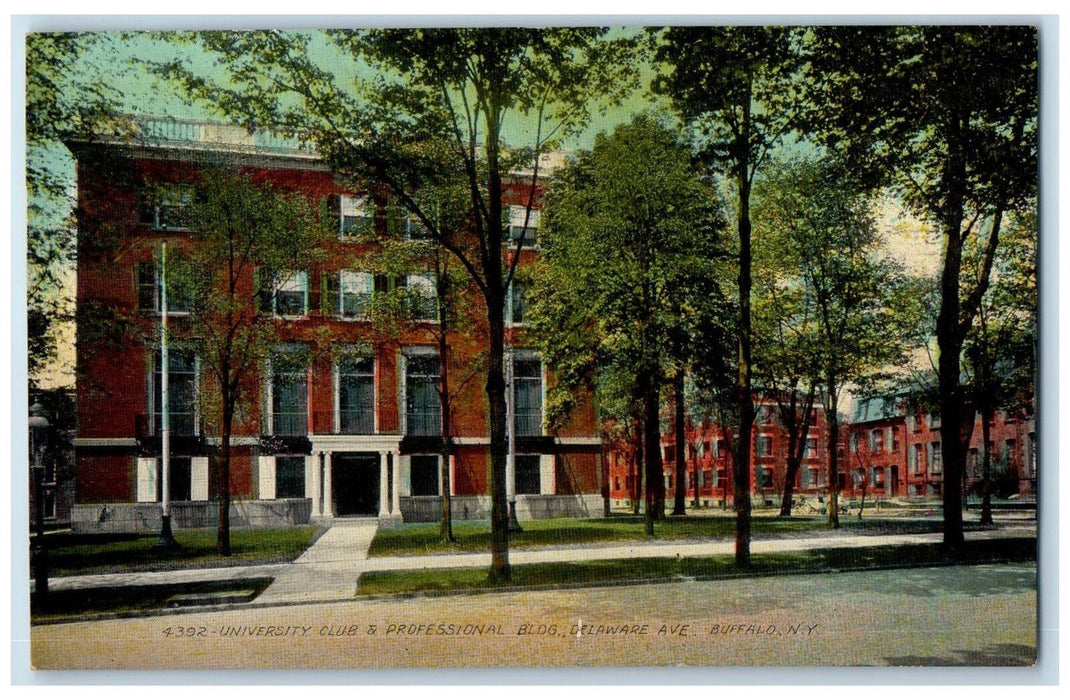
point(1000, 349)
point(248, 238)
point(628, 228)
point(947, 115)
point(64, 100)
point(408, 107)
point(735, 86)
point(831, 239)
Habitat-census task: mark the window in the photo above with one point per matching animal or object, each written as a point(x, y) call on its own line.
point(150, 289)
point(523, 225)
point(166, 207)
point(935, 464)
point(893, 438)
point(1009, 458)
point(356, 216)
point(412, 229)
point(289, 294)
point(289, 393)
point(528, 474)
point(1010, 416)
point(764, 477)
point(876, 440)
point(878, 477)
point(423, 475)
point(720, 448)
point(763, 445)
point(289, 476)
point(356, 395)
point(423, 298)
point(700, 448)
point(517, 309)
point(914, 458)
point(181, 392)
point(854, 442)
point(527, 394)
point(973, 462)
point(811, 449)
point(934, 420)
point(423, 415)
point(348, 294)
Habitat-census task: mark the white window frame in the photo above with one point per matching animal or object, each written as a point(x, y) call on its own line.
point(424, 282)
point(355, 282)
point(517, 215)
point(356, 207)
point(293, 281)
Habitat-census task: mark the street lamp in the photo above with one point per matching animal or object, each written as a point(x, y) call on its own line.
point(38, 424)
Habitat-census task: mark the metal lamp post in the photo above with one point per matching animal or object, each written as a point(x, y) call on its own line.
point(166, 539)
point(38, 551)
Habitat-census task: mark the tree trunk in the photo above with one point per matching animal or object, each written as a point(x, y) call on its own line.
point(986, 466)
point(833, 418)
point(742, 467)
point(655, 480)
point(223, 522)
point(445, 526)
point(680, 492)
point(495, 388)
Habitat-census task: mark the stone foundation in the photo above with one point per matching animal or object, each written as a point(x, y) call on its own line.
point(528, 507)
point(144, 518)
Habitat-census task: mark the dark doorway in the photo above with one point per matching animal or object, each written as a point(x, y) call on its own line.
point(355, 483)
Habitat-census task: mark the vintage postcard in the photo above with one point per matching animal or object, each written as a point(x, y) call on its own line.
point(494, 347)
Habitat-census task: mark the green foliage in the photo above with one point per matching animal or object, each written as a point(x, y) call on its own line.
point(61, 102)
point(625, 268)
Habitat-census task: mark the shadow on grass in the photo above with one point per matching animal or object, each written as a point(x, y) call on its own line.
point(70, 554)
point(63, 606)
point(618, 571)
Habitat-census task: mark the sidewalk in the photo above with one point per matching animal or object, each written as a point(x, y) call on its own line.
point(328, 571)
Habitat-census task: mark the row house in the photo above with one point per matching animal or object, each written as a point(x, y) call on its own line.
point(345, 418)
point(708, 461)
point(895, 450)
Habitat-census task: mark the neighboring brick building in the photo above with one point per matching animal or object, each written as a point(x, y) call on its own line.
point(895, 454)
point(708, 462)
point(354, 431)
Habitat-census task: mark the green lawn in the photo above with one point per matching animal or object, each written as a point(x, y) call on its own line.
point(61, 606)
point(621, 570)
point(70, 554)
point(474, 536)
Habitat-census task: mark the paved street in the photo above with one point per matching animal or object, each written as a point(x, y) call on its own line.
point(976, 615)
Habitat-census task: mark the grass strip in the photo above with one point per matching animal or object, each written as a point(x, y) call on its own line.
point(474, 536)
point(70, 554)
point(62, 606)
point(722, 566)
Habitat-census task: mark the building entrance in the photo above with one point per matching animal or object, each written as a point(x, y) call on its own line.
point(355, 483)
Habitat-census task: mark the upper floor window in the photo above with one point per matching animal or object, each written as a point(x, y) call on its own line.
point(423, 297)
point(289, 294)
point(811, 449)
point(876, 440)
point(356, 216)
point(914, 458)
point(527, 393)
point(355, 397)
point(934, 420)
point(289, 392)
point(151, 290)
point(935, 458)
point(763, 445)
point(166, 207)
point(347, 293)
point(523, 225)
point(517, 309)
point(423, 414)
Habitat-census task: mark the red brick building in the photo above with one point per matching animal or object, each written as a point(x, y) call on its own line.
point(353, 431)
point(886, 451)
point(708, 461)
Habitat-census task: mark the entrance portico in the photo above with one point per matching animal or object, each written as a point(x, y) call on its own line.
point(351, 469)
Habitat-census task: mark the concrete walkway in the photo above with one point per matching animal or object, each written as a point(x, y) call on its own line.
point(329, 569)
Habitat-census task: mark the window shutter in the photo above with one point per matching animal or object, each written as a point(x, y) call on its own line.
point(146, 480)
